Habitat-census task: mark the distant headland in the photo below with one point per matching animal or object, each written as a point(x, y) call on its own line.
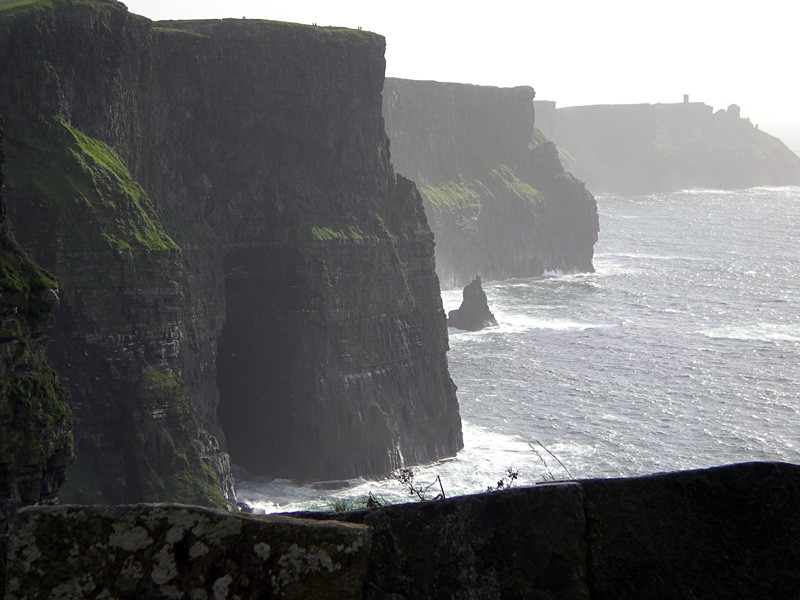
point(651, 148)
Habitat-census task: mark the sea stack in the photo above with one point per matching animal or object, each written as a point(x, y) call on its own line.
point(474, 313)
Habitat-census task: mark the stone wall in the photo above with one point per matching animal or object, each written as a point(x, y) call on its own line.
point(726, 532)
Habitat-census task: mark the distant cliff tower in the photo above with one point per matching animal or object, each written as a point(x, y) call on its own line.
point(686, 98)
point(734, 111)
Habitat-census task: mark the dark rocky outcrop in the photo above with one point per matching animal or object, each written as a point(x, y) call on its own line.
point(650, 148)
point(474, 313)
point(726, 532)
point(499, 201)
point(35, 419)
point(163, 551)
point(241, 267)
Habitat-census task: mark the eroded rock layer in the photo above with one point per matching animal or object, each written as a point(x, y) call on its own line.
point(499, 201)
point(242, 268)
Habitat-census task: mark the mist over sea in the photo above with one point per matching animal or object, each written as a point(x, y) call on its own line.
point(681, 351)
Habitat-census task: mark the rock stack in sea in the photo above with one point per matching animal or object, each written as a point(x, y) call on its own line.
point(474, 313)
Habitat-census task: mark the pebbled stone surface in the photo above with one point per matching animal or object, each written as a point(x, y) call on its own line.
point(173, 551)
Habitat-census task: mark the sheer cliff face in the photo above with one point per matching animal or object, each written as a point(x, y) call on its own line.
point(35, 420)
point(651, 148)
point(497, 197)
point(254, 271)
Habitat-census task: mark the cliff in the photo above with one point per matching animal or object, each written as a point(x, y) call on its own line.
point(498, 200)
point(727, 532)
point(243, 271)
point(35, 419)
point(651, 148)
point(474, 313)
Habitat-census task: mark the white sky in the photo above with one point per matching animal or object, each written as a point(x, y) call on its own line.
point(572, 51)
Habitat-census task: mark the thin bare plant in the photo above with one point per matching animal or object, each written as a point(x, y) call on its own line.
point(544, 462)
point(406, 477)
point(505, 482)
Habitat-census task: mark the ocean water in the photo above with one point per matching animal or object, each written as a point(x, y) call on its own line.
point(681, 351)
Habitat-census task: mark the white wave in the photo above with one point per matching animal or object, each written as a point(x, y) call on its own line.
point(484, 460)
point(647, 256)
point(515, 323)
point(708, 191)
point(763, 332)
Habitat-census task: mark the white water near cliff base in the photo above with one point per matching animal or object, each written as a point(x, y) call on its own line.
point(682, 350)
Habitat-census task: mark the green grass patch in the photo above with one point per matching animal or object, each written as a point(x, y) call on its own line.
point(88, 187)
point(508, 178)
point(177, 31)
point(451, 195)
point(321, 233)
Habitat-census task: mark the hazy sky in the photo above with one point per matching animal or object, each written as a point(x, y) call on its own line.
point(572, 51)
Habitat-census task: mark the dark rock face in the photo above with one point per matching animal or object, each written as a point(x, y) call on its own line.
point(474, 313)
point(496, 195)
point(651, 148)
point(163, 551)
point(242, 269)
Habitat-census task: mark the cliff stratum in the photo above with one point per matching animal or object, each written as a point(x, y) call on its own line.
point(652, 148)
point(498, 200)
point(243, 273)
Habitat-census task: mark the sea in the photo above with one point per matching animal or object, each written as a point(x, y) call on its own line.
point(681, 351)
